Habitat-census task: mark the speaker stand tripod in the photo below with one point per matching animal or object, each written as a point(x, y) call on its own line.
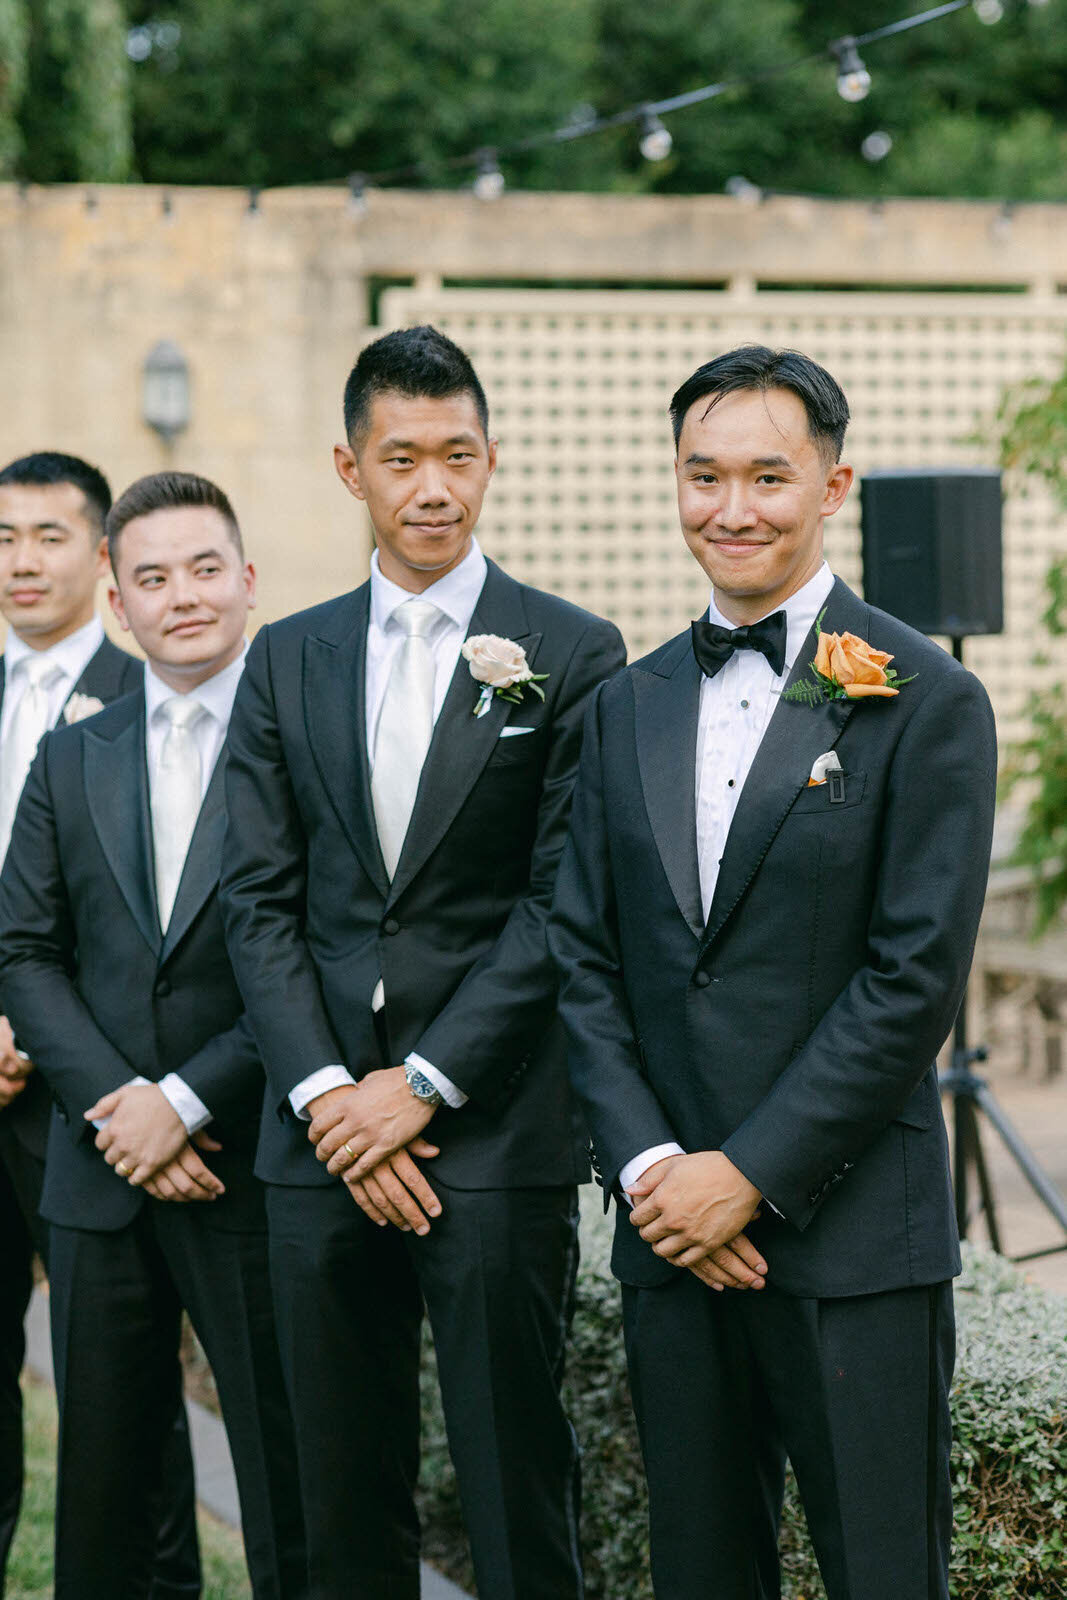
point(973, 1099)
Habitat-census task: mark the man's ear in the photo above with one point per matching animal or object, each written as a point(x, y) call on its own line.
point(344, 459)
point(115, 602)
point(838, 484)
point(492, 448)
point(103, 559)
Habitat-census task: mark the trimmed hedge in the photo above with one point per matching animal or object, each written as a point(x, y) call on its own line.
point(1009, 1461)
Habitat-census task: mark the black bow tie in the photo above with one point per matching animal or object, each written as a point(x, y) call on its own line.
point(713, 646)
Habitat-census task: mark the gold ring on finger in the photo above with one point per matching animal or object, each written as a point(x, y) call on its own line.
point(350, 1150)
point(122, 1169)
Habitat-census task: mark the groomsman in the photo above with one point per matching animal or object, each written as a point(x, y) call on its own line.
point(763, 924)
point(57, 666)
point(114, 971)
point(397, 812)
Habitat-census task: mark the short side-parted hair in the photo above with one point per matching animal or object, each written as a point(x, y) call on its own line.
point(169, 491)
point(414, 362)
point(47, 468)
point(756, 367)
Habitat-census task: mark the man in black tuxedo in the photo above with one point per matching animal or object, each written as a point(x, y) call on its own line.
point(113, 968)
point(763, 923)
point(57, 667)
point(395, 830)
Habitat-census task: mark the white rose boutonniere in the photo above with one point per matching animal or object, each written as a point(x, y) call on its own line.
point(80, 706)
point(501, 667)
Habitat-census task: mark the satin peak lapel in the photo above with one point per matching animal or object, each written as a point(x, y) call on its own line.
point(335, 697)
point(795, 736)
point(116, 792)
point(462, 743)
point(200, 875)
point(666, 710)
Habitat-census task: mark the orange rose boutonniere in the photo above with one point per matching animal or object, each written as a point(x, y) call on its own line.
point(846, 668)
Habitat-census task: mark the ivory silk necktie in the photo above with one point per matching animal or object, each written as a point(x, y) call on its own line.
point(405, 728)
point(177, 794)
point(28, 725)
point(713, 646)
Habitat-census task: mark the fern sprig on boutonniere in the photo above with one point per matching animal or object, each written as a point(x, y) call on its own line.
point(846, 668)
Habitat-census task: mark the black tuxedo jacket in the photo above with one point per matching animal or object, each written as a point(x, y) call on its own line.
point(459, 935)
point(109, 674)
point(95, 992)
point(796, 1030)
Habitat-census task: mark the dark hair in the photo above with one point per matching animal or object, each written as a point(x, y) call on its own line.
point(47, 467)
point(412, 362)
point(754, 366)
point(169, 491)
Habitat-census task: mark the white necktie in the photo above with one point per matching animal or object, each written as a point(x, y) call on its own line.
point(405, 728)
point(177, 793)
point(28, 725)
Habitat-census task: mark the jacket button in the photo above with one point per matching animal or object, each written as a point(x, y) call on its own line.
point(702, 980)
point(162, 989)
point(390, 925)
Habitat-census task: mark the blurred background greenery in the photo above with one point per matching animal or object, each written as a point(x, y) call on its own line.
point(264, 92)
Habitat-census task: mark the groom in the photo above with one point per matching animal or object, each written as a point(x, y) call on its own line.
point(763, 922)
point(395, 827)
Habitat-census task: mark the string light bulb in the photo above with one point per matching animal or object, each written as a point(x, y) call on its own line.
point(988, 11)
point(853, 79)
point(489, 184)
point(876, 146)
point(656, 143)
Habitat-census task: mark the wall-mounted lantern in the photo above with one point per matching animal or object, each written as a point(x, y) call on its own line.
point(166, 402)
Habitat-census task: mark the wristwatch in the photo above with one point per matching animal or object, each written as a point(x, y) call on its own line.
point(421, 1087)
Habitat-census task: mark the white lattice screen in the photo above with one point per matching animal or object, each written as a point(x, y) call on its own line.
point(578, 383)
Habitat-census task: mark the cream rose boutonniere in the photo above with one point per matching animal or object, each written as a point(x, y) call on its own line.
point(501, 667)
point(846, 668)
point(80, 706)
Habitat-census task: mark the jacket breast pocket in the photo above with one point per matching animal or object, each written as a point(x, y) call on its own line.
point(821, 799)
point(521, 750)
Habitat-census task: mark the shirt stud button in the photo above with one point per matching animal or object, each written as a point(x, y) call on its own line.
point(729, 783)
point(744, 705)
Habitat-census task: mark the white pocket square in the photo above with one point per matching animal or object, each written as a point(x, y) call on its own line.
point(513, 733)
point(822, 768)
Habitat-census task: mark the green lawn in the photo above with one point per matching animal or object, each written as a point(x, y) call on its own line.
point(30, 1567)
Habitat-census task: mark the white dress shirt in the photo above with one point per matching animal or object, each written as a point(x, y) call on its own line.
point(736, 707)
point(216, 696)
point(70, 656)
point(455, 596)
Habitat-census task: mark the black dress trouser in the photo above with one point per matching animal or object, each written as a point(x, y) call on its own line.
point(497, 1273)
point(116, 1303)
point(176, 1568)
point(855, 1391)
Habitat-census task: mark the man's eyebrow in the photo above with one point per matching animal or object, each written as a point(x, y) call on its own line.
point(161, 566)
point(757, 461)
point(409, 444)
point(53, 524)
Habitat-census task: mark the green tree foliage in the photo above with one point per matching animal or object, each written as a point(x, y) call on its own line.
point(64, 90)
point(261, 92)
point(13, 38)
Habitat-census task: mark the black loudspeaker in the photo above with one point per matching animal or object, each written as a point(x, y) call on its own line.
point(932, 548)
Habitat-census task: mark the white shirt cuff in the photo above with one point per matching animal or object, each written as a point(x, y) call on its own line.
point(640, 1165)
point(445, 1087)
point(183, 1100)
point(318, 1083)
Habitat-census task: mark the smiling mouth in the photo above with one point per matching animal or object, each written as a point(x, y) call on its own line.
point(25, 596)
point(191, 626)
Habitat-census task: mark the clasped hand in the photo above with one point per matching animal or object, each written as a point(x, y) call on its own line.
point(146, 1137)
point(367, 1134)
point(692, 1210)
point(14, 1070)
